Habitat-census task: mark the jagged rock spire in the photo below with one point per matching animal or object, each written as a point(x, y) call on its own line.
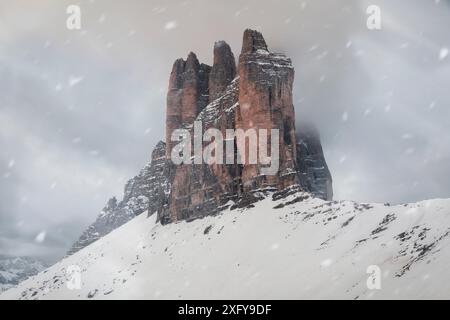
point(223, 70)
point(253, 40)
point(192, 62)
point(265, 102)
point(187, 94)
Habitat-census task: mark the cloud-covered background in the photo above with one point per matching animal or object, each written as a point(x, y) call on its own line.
point(81, 110)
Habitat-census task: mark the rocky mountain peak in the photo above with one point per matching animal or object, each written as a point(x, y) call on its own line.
point(260, 98)
point(223, 70)
point(257, 94)
point(252, 41)
point(192, 62)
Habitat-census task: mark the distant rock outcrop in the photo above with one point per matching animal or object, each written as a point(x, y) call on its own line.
point(223, 70)
point(311, 163)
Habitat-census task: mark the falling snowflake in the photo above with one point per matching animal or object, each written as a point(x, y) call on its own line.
point(432, 105)
point(40, 237)
point(74, 80)
point(239, 12)
point(102, 18)
point(443, 53)
point(274, 246)
point(170, 25)
point(11, 163)
point(345, 116)
point(159, 9)
point(76, 140)
point(326, 263)
point(407, 136)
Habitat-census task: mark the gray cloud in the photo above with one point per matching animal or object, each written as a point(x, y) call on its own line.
point(81, 110)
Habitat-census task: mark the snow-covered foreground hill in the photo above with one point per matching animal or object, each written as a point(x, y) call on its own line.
point(293, 248)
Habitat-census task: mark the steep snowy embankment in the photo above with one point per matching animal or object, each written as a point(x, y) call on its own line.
point(293, 248)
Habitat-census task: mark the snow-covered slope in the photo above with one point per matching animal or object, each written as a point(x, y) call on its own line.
point(296, 247)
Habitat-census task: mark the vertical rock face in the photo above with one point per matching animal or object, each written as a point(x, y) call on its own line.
point(14, 270)
point(259, 97)
point(147, 192)
point(265, 102)
point(201, 189)
point(253, 41)
point(223, 70)
point(187, 94)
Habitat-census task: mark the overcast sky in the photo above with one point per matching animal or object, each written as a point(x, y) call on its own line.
point(81, 110)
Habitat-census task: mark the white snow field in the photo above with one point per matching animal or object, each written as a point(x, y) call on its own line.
point(294, 248)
